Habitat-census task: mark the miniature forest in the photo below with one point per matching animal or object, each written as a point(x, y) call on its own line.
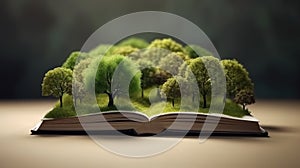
point(150, 86)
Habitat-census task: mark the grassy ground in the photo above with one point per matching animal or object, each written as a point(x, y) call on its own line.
point(66, 111)
point(149, 107)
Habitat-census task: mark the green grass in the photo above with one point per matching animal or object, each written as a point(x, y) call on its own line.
point(234, 109)
point(67, 110)
point(135, 104)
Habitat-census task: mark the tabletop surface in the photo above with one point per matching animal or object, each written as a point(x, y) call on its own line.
point(20, 149)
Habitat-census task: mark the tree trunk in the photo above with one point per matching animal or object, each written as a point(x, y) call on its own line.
point(61, 102)
point(173, 102)
point(158, 93)
point(110, 100)
point(193, 97)
point(75, 102)
point(204, 101)
point(142, 85)
point(244, 107)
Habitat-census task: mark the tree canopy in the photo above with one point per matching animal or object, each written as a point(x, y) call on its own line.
point(121, 71)
point(237, 77)
point(171, 89)
point(79, 87)
point(199, 69)
point(56, 82)
point(71, 60)
point(244, 98)
point(172, 62)
point(124, 50)
point(167, 44)
point(104, 76)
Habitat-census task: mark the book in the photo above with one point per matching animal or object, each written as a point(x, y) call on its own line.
point(139, 124)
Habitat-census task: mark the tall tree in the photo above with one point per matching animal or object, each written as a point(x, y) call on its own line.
point(57, 82)
point(79, 87)
point(105, 71)
point(148, 72)
point(205, 70)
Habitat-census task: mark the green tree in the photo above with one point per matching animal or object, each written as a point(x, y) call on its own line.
point(104, 76)
point(146, 79)
point(244, 98)
point(56, 82)
point(79, 88)
point(134, 42)
point(159, 77)
point(167, 44)
point(195, 51)
point(172, 62)
point(153, 55)
point(237, 77)
point(73, 57)
point(160, 48)
point(171, 89)
point(147, 75)
point(149, 61)
point(199, 68)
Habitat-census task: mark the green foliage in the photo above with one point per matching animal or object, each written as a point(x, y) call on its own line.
point(146, 78)
point(182, 70)
point(124, 50)
point(158, 61)
point(171, 89)
point(104, 76)
point(200, 73)
point(80, 68)
point(153, 56)
point(71, 60)
point(172, 62)
point(79, 87)
point(167, 44)
point(237, 77)
point(159, 77)
point(244, 98)
point(134, 42)
point(195, 51)
point(57, 82)
point(204, 70)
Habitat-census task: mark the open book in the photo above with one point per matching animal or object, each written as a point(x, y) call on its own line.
point(136, 123)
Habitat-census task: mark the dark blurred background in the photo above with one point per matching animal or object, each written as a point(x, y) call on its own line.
point(37, 35)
